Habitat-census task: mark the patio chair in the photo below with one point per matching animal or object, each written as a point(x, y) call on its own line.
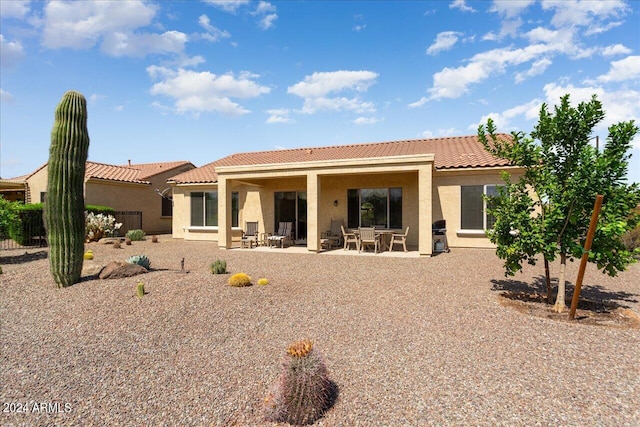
point(333, 236)
point(367, 237)
point(283, 234)
point(349, 237)
point(397, 238)
point(249, 235)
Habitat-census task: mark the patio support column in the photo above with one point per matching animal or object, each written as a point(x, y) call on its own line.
point(224, 213)
point(425, 206)
point(313, 204)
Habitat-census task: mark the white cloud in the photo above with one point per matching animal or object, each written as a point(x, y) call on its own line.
point(315, 88)
point(266, 13)
point(619, 105)
point(536, 68)
point(279, 116)
point(204, 91)
point(623, 70)
point(502, 120)
point(366, 121)
point(14, 9)
point(6, 96)
point(113, 24)
point(444, 41)
point(426, 134)
point(230, 6)
point(460, 4)
point(322, 83)
point(358, 28)
point(213, 33)
point(95, 97)
point(585, 13)
point(138, 45)
point(12, 52)
point(616, 49)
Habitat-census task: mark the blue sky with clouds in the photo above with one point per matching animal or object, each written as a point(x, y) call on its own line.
point(200, 80)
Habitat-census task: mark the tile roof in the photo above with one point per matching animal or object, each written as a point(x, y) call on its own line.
point(449, 153)
point(137, 173)
point(113, 173)
point(148, 170)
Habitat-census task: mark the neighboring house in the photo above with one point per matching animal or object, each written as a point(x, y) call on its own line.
point(124, 188)
point(390, 185)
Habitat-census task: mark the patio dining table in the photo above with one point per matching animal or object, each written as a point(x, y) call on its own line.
point(384, 233)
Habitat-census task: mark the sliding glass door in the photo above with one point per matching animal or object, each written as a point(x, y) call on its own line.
point(291, 206)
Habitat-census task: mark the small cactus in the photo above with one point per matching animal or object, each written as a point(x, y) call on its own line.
point(140, 290)
point(88, 254)
point(154, 239)
point(140, 260)
point(240, 280)
point(263, 281)
point(303, 392)
point(218, 267)
point(116, 244)
point(127, 241)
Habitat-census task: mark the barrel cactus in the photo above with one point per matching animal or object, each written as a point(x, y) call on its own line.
point(64, 207)
point(303, 392)
point(140, 260)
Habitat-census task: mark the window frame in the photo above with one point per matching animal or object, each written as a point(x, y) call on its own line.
point(235, 209)
point(483, 210)
point(392, 200)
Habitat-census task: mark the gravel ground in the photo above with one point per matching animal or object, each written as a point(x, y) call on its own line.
point(421, 341)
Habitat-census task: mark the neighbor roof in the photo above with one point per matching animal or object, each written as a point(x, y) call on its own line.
point(449, 153)
point(138, 173)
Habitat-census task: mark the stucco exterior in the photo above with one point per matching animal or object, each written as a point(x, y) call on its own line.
point(139, 195)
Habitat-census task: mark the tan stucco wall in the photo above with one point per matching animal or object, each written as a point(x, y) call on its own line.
point(37, 184)
point(446, 203)
point(121, 196)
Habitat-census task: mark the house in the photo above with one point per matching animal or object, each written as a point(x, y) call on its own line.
point(131, 187)
point(395, 185)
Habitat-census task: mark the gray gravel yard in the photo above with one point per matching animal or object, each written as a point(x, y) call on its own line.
point(408, 341)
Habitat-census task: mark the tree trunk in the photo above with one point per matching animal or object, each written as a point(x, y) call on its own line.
point(560, 306)
point(547, 277)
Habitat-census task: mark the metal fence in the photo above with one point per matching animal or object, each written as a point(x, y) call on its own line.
point(30, 230)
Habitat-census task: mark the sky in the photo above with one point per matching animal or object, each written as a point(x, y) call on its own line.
point(199, 80)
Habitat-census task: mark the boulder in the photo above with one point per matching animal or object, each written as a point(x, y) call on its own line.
point(119, 270)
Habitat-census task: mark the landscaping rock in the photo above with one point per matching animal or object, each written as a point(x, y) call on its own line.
point(119, 270)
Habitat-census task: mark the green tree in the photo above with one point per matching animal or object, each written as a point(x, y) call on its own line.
point(546, 212)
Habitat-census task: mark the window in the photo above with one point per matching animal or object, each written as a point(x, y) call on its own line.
point(167, 207)
point(43, 196)
point(473, 210)
point(374, 207)
point(204, 209)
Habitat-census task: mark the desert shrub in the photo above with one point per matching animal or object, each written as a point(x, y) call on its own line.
point(140, 260)
point(303, 392)
point(135, 234)
point(631, 238)
point(98, 226)
point(240, 280)
point(218, 267)
point(97, 209)
point(27, 221)
point(8, 215)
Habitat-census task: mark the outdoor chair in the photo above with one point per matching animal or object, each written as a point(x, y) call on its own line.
point(349, 237)
point(368, 237)
point(397, 238)
point(333, 236)
point(250, 235)
point(283, 235)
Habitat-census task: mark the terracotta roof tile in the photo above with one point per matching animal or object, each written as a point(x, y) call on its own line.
point(147, 170)
point(449, 153)
point(113, 173)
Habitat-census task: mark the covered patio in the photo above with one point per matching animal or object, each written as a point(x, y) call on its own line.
point(332, 190)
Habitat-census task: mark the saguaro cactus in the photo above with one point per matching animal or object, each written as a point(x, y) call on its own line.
point(64, 204)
